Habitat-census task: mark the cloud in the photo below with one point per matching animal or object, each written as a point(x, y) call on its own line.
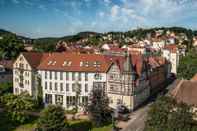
point(114, 11)
point(42, 7)
point(101, 14)
point(15, 1)
point(107, 1)
point(27, 2)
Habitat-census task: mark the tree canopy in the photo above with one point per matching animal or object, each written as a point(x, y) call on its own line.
point(168, 115)
point(10, 47)
point(52, 119)
point(187, 67)
point(17, 106)
point(99, 107)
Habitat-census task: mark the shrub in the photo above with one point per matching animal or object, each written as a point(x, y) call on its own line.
point(82, 125)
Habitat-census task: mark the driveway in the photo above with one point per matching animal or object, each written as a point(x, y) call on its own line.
point(137, 120)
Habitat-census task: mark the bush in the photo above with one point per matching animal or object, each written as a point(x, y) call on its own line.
point(52, 119)
point(6, 88)
point(17, 107)
point(80, 126)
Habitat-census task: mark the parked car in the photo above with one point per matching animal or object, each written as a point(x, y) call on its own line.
point(122, 109)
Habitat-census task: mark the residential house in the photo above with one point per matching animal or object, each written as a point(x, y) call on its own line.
point(6, 71)
point(127, 82)
point(25, 72)
point(171, 53)
point(158, 72)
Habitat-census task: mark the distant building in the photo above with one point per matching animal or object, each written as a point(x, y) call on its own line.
point(6, 71)
point(171, 53)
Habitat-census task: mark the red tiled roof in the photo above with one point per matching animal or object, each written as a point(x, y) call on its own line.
point(35, 58)
point(56, 61)
point(173, 48)
point(7, 63)
point(156, 61)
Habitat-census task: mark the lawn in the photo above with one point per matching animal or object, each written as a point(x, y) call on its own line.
point(105, 128)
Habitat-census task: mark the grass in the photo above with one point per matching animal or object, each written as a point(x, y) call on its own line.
point(26, 127)
point(105, 128)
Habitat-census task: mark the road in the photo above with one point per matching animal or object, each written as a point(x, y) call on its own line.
point(137, 121)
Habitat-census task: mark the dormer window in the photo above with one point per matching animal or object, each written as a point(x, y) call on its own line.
point(97, 64)
point(50, 62)
point(54, 63)
point(67, 63)
point(87, 64)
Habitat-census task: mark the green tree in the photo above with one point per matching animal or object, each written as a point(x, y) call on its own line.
point(10, 47)
point(18, 107)
point(52, 119)
point(187, 67)
point(167, 115)
point(98, 107)
point(6, 87)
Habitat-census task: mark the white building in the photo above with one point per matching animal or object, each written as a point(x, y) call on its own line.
point(25, 72)
point(62, 73)
point(171, 53)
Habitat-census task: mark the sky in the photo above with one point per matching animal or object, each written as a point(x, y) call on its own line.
point(55, 18)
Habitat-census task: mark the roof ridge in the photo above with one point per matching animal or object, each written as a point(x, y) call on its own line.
point(178, 87)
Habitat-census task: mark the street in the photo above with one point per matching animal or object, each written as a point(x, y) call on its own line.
point(137, 121)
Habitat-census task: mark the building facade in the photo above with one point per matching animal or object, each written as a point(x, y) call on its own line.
point(171, 53)
point(63, 74)
point(127, 82)
point(67, 79)
point(25, 73)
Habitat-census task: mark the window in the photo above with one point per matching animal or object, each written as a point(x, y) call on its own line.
point(86, 76)
point(50, 85)
point(61, 75)
point(73, 87)
point(67, 87)
point(26, 66)
point(84, 100)
point(97, 76)
point(67, 63)
point(50, 75)
point(86, 87)
point(79, 76)
point(55, 75)
point(70, 100)
point(61, 87)
point(67, 75)
point(45, 85)
point(55, 86)
point(73, 76)
point(59, 99)
point(48, 98)
point(16, 90)
point(46, 75)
